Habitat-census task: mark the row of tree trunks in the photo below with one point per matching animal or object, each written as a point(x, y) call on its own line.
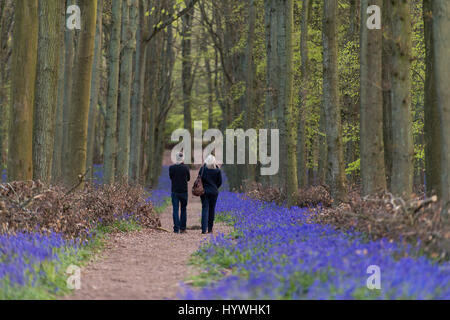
point(158, 87)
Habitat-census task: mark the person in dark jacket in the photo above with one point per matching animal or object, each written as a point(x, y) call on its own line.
point(212, 180)
point(179, 175)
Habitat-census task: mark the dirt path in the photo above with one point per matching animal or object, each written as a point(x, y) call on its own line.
point(147, 264)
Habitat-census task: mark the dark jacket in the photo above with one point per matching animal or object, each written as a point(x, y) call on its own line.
point(212, 180)
point(179, 174)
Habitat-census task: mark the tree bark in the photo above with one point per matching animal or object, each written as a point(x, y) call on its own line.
point(97, 70)
point(371, 108)
point(126, 77)
point(250, 103)
point(403, 148)
point(69, 48)
point(138, 98)
point(186, 73)
point(113, 93)
point(290, 125)
point(59, 119)
point(432, 122)
point(25, 36)
point(387, 89)
point(78, 117)
point(50, 40)
point(441, 39)
point(272, 76)
point(335, 173)
point(301, 133)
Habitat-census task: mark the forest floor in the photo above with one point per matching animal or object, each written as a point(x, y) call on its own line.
point(146, 264)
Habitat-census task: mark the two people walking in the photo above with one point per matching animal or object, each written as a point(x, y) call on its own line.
point(211, 178)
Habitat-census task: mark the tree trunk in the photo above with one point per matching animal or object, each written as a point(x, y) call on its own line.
point(322, 165)
point(97, 69)
point(272, 76)
point(387, 90)
point(301, 133)
point(250, 115)
point(335, 173)
point(290, 125)
point(441, 39)
point(126, 77)
point(186, 73)
point(138, 98)
point(59, 125)
point(113, 92)
point(78, 116)
point(403, 149)
point(20, 159)
point(371, 123)
point(432, 121)
point(50, 40)
point(210, 92)
point(69, 45)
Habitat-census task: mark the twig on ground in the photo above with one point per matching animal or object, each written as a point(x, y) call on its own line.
point(162, 229)
point(80, 181)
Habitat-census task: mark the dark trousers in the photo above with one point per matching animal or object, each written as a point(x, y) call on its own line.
point(208, 211)
point(179, 221)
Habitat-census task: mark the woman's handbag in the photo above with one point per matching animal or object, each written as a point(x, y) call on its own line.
point(197, 188)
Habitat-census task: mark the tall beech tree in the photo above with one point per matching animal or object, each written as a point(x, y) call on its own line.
point(187, 77)
point(6, 24)
point(301, 132)
point(97, 69)
point(387, 88)
point(50, 40)
point(441, 40)
point(25, 36)
point(77, 122)
point(432, 122)
point(110, 148)
point(331, 103)
point(290, 126)
point(250, 115)
point(371, 108)
point(137, 100)
point(129, 25)
point(279, 98)
point(402, 136)
point(70, 37)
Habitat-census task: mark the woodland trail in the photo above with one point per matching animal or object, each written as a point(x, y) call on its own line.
point(148, 264)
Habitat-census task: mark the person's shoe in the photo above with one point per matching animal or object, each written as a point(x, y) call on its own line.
point(210, 232)
point(176, 232)
point(183, 231)
point(203, 232)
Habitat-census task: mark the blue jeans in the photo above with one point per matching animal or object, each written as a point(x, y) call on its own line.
point(179, 222)
point(208, 211)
